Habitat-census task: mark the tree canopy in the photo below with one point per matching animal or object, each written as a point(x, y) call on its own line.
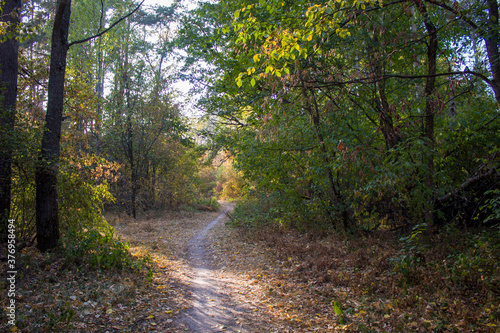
point(355, 113)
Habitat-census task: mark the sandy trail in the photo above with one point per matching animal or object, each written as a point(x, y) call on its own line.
point(213, 308)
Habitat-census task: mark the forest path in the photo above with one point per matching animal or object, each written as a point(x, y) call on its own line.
point(207, 277)
point(213, 309)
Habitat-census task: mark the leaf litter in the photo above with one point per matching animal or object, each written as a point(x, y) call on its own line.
point(271, 279)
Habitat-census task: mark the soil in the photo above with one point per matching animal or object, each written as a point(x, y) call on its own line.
point(213, 307)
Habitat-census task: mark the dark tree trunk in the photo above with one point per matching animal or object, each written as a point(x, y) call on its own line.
point(99, 87)
point(133, 167)
point(8, 95)
point(47, 219)
point(391, 135)
point(430, 104)
point(153, 185)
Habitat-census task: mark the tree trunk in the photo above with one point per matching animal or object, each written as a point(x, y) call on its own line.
point(8, 95)
point(335, 197)
point(430, 106)
point(47, 219)
point(492, 39)
point(133, 167)
point(99, 87)
point(391, 136)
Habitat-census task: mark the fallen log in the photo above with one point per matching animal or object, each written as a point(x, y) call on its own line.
point(468, 183)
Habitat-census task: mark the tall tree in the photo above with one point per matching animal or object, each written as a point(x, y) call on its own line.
point(371, 124)
point(141, 109)
point(9, 47)
point(47, 219)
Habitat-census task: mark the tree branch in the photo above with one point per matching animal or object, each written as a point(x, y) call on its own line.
point(467, 183)
point(399, 76)
point(81, 41)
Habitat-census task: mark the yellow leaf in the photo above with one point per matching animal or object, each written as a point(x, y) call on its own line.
point(151, 316)
point(109, 311)
point(169, 311)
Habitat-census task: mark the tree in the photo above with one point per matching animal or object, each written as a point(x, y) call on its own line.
point(340, 106)
point(9, 46)
point(140, 110)
point(47, 219)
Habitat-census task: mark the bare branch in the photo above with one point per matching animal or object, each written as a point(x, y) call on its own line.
point(81, 41)
point(320, 84)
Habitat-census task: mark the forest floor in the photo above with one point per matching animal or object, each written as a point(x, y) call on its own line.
point(210, 277)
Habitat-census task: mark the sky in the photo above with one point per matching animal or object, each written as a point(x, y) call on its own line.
point(158, 2)
point(183, 87)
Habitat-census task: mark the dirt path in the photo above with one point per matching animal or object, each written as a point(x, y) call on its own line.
point(202, 275)
point(199, 285)
point(221, 302)
point(211, 310)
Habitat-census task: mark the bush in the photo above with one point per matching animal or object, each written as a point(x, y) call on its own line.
point(210, 204)
point(98, 248)
point(253, 212)
point(477, 263)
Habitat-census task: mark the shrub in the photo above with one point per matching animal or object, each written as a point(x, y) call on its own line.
point(98, 248)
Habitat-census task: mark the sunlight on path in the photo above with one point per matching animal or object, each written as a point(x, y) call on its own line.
point(212, 309)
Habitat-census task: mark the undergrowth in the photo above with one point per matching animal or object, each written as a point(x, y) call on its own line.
point(98, 248)
point(90, 269)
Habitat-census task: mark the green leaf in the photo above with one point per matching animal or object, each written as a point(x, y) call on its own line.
point(336, 307)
